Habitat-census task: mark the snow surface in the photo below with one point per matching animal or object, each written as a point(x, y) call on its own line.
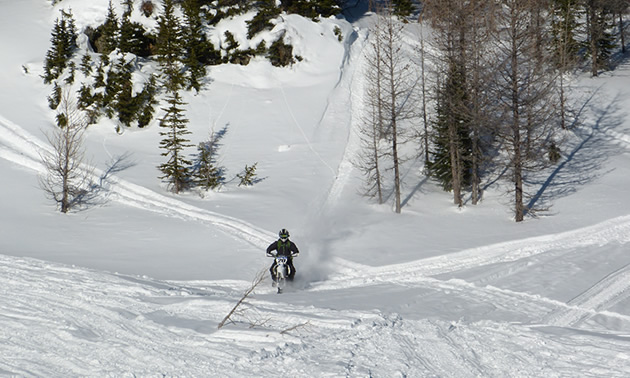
point(137, 284)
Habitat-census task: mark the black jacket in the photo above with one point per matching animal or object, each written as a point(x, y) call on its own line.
point(287, 248)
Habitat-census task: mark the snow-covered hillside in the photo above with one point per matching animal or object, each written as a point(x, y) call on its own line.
point(137, 284)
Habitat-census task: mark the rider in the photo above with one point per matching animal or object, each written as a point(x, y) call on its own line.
point(283, 247)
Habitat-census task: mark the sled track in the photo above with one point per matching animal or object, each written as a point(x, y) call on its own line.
point(20, 147)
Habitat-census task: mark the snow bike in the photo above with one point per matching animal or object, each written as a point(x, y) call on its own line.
point(281, 271)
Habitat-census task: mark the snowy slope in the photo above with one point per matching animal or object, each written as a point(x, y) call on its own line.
point(137, 284)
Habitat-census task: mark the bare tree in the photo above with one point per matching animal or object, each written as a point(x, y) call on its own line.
point(460, 39)
point(67, 178)
point(372, 129)
point(482, 25)
point(524, 88)
point(620, 7)
point(423, 90)
point(395, 87)
point(566, 48)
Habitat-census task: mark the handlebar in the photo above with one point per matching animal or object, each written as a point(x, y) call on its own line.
point(276, 255)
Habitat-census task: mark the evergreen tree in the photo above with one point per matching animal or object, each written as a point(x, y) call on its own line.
point(64, 42)
point(86, 65)
point(262, 20)
point(248, 176)
point(109, 32)
point(280, 54)
point(112, 89)
point(450, 163)
point(564, 29)
point(99, 76)
point(125, 104)
point(176, 171)
point(55, 97)
point(169, 48)
point(147, 102)
point(72, 68)
point(133, 37)
point(88, 102)
point(600, 40)
point(403, 8)
point(195, 43)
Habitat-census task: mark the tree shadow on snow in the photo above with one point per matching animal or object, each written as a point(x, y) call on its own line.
point(588, 148)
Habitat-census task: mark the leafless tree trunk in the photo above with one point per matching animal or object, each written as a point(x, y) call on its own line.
point(392, 87)
point(482, 26)
point(372, 130)
point(525, 88)
point(424, 92)
point(67, 178)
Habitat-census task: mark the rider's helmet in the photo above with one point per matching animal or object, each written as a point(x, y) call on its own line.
point(283, 234)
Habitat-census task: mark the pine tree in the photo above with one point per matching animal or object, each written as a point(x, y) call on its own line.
point(176, 171)
point(86, 65)
point(450, 163)
point(112, 89)
point(55, 97)
point(262, 20)
point(195, 43)
point(600, 39)
point(280, 54)
point(127, 40)
point(403, 8)
point(147, 102)
point(125, 104)
point(133, 37)
point(109, 32)
point(169, 48)
point(248, 176)
point(64, 42)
